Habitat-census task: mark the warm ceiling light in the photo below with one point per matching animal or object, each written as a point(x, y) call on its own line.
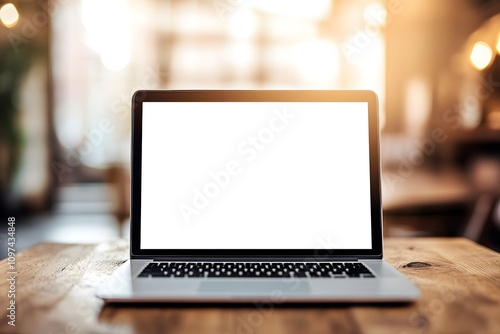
point(9, 15)
point(481, 55)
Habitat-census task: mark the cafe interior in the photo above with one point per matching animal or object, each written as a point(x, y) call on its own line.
point(68, 70)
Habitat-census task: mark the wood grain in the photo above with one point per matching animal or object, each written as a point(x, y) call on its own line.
point(55, 294)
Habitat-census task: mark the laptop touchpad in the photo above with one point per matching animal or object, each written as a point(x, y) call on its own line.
point(254, 287)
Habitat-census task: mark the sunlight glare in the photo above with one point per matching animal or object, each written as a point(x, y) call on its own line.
point(107, 26)
point(318, 61)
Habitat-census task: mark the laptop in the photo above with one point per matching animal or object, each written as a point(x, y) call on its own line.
point(256, 196)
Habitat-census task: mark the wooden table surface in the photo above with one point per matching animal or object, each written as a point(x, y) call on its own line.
point(55, 288)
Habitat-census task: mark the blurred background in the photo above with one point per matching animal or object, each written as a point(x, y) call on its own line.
point(68, 70)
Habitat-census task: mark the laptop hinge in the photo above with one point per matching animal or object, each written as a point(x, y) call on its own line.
point(256, 259)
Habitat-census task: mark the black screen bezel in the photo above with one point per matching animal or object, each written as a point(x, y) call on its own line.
point(142, 96)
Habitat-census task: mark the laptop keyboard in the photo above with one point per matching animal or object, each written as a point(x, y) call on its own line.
point(256, 270)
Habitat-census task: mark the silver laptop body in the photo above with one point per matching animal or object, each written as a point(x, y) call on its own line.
point(256, 197)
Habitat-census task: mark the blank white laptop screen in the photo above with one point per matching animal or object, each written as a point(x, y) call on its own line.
point(252, 175)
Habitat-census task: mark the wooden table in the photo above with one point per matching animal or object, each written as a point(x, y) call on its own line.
point(55, 285)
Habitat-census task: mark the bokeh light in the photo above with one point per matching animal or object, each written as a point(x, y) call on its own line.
point(9, 15)
point(481, 55)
